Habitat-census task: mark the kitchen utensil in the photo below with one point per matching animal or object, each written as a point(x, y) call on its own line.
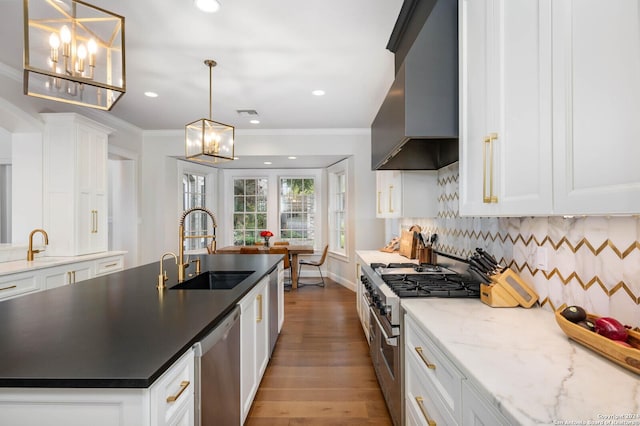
point(408, 245)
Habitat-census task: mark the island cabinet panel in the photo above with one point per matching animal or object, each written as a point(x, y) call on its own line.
point(254, 342)
point(75, 184)
point(169, 401)
point(172, 395)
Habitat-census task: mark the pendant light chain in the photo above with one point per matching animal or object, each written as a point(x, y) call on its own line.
point(210, 63)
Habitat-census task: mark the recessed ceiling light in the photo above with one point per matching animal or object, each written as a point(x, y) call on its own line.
point(151, 94)
point(292, 158)
point(318, 92)
point(267, 162)
point(208, 6)
point(254, 121)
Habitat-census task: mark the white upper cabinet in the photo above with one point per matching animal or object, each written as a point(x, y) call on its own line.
point(75, 185)
point(505, 111)
point(596, 104)
point(406, 194)
point(550, 100)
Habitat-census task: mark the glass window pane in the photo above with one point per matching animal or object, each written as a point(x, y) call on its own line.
point(251, 203)
point(238, 187)
point(246, 203)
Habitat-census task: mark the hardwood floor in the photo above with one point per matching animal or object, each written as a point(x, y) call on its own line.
point(320, 372)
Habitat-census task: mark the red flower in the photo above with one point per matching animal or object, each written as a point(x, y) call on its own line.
point(266, 234)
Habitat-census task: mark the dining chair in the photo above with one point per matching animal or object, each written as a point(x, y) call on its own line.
point(287, 263)
point(317, 264)
point(249, 250)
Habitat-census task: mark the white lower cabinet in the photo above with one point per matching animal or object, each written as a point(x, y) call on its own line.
point(14, 285)
point(169, 401)
point(254, 342)
point(436, 390)
point(172, 395)
point(67, 274)
point(477, 411)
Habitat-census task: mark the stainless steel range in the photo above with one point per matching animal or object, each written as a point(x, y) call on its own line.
point(384, 286)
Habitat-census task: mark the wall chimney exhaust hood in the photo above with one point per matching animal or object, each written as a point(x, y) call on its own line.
point(416, 127)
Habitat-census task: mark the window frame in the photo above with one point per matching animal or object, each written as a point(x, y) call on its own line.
point(210, 174)
point(256, 229)
point(316, 219)
point(339, 169)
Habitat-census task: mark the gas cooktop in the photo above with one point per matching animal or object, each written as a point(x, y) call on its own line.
point(426, 280)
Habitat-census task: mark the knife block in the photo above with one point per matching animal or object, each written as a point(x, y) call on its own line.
point(496, 296)
point(507, 290)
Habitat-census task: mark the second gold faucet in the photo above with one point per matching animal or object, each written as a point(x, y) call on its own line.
point(31, 251)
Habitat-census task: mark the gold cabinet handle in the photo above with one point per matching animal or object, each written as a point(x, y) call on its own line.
point(111, 265)
point(429, 420)
point(8, 288)
point(391, 199)
point(259, 298)
point(73, 273)
point(183, 386)
point(69, 280)
point(429, 365)
point(487, 142)
point(379, 197)
point(96, 221)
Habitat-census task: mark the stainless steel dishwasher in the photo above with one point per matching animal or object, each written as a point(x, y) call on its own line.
point(217, 371)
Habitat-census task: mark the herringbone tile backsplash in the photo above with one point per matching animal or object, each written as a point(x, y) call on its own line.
point(592, 261)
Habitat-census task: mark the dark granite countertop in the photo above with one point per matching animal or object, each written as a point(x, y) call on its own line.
point(117, 330)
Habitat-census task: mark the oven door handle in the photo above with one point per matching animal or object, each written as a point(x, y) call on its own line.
point(391, 341)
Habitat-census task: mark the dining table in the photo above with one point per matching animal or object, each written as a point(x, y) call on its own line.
point(294, 251)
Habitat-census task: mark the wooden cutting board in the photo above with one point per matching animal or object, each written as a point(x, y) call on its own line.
point(408, 245)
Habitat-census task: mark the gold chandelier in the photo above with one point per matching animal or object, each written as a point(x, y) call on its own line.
point(208, 141)
point(74, 53)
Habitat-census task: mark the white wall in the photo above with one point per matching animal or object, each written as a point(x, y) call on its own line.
point(26, 186)
point(160, 212)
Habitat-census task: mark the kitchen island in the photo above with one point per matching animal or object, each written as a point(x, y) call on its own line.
point(117, 330)
point(113, 332)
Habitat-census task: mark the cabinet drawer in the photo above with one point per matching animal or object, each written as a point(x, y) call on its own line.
point(423, 401)
point(445, 378)
point(109, 265)
point(173, 391)
point(477, 411)
point(18, 284)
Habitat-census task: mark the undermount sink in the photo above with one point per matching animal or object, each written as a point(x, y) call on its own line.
point(214, 280)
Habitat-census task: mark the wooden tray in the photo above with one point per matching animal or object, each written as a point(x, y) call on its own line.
point(628, 358)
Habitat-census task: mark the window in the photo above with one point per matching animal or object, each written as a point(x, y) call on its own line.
point(337, 212)
point(194, 195)
point(249, 210)
point(297, 210)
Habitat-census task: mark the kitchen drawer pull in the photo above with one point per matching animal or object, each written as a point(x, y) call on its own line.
point(420, 402)
point(183, 386)
point(259, 297)
point(429, 365)
point(111, 265)
point(391, 199)
point(379, 197)
point(8, 288)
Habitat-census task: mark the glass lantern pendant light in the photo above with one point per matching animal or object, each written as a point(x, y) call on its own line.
point(74, 53)
point(208, 141)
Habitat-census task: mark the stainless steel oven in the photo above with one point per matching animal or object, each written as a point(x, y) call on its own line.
point(387, 361)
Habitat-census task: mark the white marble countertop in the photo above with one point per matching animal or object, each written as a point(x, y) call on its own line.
point(376, 256)
point(527, 366)
point(40, 262)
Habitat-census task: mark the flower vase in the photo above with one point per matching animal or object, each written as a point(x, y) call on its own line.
point(266, 241)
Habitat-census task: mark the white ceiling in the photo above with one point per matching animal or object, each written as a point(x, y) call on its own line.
point(270, 55)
